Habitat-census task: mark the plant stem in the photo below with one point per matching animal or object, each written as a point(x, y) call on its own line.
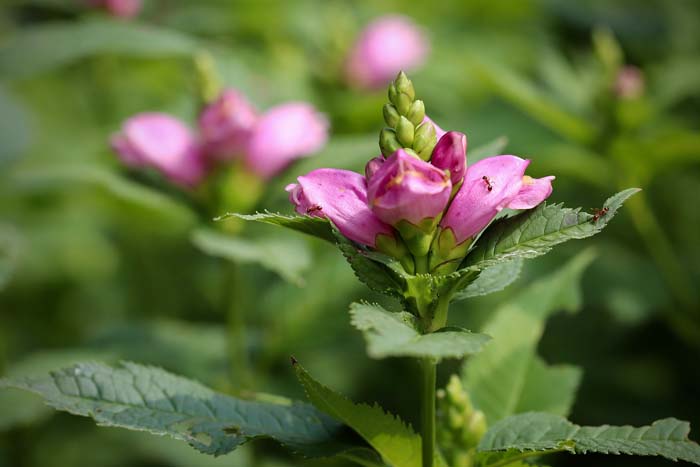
point(236, 334)
point(429, 372)
point(524, 455)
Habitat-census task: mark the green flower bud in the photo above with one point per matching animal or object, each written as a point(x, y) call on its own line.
point(403, 103)
point(392, 92)
point(404, 85)
point(416, 113)
point(388, 142)
point(424, 140)
point(391, 115)
point(405, 132)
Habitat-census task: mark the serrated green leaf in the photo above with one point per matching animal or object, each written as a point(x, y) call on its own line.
point(533, 233)
point(40, 48)
point(377, 275)
point(318, 227)
point(540, 431)
point(287, 257)
point(394, 440)
point(396, 335)
point(492, 279)
point(150, 399)
point(507, 377)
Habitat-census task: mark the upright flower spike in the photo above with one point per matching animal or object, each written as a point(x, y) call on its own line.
point(285, 133)
point(386, 46)
point(409, 194)
point(162, 142)
point(226, 125)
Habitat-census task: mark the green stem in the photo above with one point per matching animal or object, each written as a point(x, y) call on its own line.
point(429, 373)
point(239, 364)
point(524, 455)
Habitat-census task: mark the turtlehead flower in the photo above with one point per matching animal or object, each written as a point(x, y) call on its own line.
point(341, 197)
point(226, 125)
point(161, 142)
point(406, 188)
point(450, 153)
point(120, 8)
point(285, 133)
point(489, 186)
point(385, 47)
point(629, 82)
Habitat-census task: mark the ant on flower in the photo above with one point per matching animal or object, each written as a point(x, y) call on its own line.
point(487, 180)
point(314, 208)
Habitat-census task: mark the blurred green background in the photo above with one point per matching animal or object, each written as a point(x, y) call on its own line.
point(100, 264)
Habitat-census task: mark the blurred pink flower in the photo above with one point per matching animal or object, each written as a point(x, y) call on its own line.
point(119, 8)
point(285, 133)
point(385, 47)
point(162, 142)
point(226, 124)
point(629, 83)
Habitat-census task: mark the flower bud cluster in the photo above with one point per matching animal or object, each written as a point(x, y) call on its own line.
point(461, 426)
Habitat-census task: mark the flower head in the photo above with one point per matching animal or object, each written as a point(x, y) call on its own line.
point(386, 46)
point(341, 197)
point(226, 125)
point(162, 142)
point(285, 133)
point(406, 188)
point(450, 153)
point(119, 8)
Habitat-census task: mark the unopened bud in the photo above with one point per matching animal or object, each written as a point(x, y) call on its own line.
point(424, 140)
point(416, 113)
point(403, 102)
point(391, 115)
point(404, 85)
point(388, 142)
point(405, 132)
point(392, 92)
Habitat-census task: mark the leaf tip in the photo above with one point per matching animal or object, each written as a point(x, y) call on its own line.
point(293, 360)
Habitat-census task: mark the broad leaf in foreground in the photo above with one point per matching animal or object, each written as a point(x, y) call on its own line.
point(533, 233)
point(397, 443)
point(508, 377)
point(318, 227)
point(540, 431)
point(396, 335)
point(492, 279)
point(151, 399)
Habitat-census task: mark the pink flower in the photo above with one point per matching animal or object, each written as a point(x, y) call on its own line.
point(285, 133)
point(386, 46)
point(120, 8)
point(162, 142)
point(450, 153)
point(629, 83)
point(489, 186)
point(341, 197)
point(226, 125)
point(405, 188)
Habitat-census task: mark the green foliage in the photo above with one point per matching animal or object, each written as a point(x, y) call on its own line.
point(535, 232)
point(398, 335)
point(395, 441)
point(318, 227)
point(288, 257)
point(492, 279)
point(508, 377)
point(150, 399)
point(540, 431)
point(43, 47)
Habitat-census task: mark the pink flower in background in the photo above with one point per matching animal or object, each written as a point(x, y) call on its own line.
point(226, 124)
point(341, 197)
point(386, 46)
point(119, 8)
point(406, 188)
point(164, 143)
point(490, 185)
point(629, 82)
point(285, 133)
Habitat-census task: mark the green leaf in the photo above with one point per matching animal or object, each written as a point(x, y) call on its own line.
point(378, 272)
point(396, 335)
point(150, 399)
point(394, 440)
point(508, 377)
point(492, 279)
point(287, 257)
point(10, 246)
point(533, 233)
point(540, 431)
point(40, 48)
point(318, 227)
